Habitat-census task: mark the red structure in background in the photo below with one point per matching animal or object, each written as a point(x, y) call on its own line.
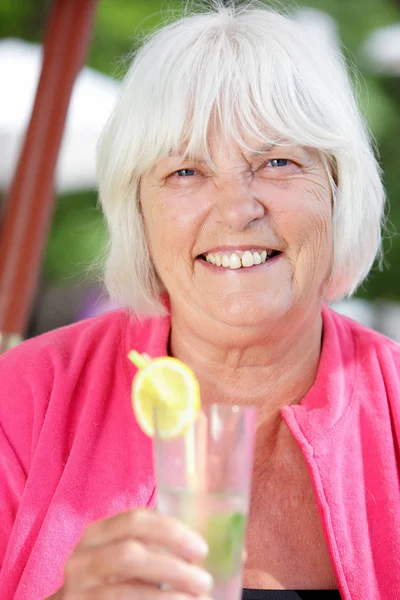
point(30, 202)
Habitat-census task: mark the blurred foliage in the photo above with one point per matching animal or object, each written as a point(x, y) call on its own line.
point(23, 18)
point(78, 233)
point(77, 239)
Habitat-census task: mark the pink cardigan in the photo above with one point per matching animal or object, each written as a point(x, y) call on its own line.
point(71, 451)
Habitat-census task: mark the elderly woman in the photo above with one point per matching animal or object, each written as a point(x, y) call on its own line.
point(242, 196)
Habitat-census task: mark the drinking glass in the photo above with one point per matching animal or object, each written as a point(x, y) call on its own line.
point(204, 479)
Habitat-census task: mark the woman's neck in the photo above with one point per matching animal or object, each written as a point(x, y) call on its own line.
point(273, 371)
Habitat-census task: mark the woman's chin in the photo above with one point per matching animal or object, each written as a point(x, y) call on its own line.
point(245, 311)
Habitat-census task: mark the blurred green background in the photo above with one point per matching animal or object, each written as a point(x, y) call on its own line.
point(78, 235)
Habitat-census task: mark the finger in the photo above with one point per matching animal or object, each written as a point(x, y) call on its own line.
point(126, 560)
point(135, 591)
point(150, 528)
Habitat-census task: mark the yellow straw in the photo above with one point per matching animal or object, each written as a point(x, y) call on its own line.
point(138, 359)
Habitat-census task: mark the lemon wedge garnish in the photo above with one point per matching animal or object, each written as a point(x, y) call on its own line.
point(172, 387)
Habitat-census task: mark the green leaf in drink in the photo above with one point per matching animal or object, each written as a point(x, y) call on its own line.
point(224, 535)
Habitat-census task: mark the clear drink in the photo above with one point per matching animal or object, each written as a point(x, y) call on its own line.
point(204, 479)
point(221, 519)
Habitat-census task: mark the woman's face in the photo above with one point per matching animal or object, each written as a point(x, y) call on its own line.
point(271, 210)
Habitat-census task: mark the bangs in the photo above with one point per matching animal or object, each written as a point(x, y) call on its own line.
point(240, 85)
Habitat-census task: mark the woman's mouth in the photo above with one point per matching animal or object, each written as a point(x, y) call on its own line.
point(239, 259)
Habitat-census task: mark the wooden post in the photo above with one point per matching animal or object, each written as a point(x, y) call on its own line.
point(28, 209)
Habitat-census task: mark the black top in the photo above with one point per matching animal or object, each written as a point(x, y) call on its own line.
point(290, 595)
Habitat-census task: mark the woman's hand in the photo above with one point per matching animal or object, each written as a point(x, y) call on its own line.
point(131, 555)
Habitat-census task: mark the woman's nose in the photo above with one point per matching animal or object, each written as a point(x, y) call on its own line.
point(237, 206)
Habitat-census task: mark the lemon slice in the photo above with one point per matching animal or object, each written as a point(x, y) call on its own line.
point(172, 387)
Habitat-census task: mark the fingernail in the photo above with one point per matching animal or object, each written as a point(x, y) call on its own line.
point(197, 545)
point(202, 579)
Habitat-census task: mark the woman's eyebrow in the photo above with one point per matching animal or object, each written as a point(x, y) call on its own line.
point(273, 147)
point(263, 150)
point(280, 147)
point(182, 157)
point(161, 164)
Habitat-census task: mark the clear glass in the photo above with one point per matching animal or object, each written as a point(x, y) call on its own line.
point(204, 479)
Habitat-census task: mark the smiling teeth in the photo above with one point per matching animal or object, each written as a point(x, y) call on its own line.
point(247, 259)
point(233, 261)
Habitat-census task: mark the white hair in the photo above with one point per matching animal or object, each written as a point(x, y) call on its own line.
point(258, 75)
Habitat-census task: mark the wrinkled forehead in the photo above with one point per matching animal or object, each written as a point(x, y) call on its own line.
point(217, 147)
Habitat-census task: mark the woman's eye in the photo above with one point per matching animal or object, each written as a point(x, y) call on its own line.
point(279, 167)
point(278, 162)
point(185, 173)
